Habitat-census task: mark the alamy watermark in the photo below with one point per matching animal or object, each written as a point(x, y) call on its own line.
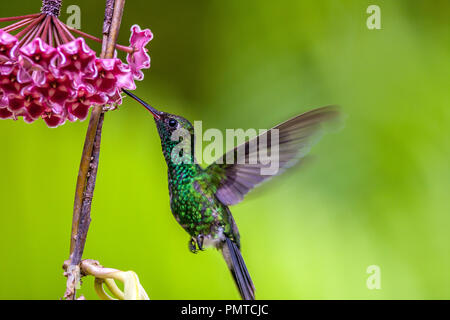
point(374, 280)
point(74, 18)
point(374, 20)
point(262, 151)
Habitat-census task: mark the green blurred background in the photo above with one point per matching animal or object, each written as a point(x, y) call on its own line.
point(376, 193)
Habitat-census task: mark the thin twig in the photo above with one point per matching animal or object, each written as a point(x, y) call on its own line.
point(64, 29)
point(109, 9)
point(17, 25)
point(89, 161)
point(34, 15)
point(61, 32)
point(58, 40)
point(31, 25)
point(93, 38)
point(31, 35)
point(85, 218)
point(111, 40)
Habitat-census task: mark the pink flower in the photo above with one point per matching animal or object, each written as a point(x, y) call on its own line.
point(4, 112)
point(33, 102)
point(38, 54)
point(36, 58)
point(62, 79)
point(15, 103)
point(53, 119)
point(57, 90)
point(79, 106)
point(75, 59)
point(35, 109)
point(13, 79)
point(8, 44)
point(139, 59)
point(112, 74)
point(115, 99)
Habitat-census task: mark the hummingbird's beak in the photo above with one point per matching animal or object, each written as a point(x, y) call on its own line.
point(152, 110)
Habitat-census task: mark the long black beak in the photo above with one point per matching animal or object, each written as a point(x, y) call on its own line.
point(152, 110)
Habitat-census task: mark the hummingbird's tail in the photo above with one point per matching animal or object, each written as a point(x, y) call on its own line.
point(236, 264)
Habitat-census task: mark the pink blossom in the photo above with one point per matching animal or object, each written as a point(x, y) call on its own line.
point(115, 99)
point(139, 59)
point(30, 100)
point(62, 79)
point(13, 79)
point(4, 112)
point(8, 44)
point(75, 59)
point(79, 106)
point(57, 90)
point(111, 75)
point(53, 119)
point(36, 58)
point(38, 54)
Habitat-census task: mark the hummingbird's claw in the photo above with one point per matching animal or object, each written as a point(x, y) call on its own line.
point(196, 244)
point(200, 239)
point(192, 246)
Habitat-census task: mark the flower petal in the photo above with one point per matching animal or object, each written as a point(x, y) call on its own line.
point(63, 83)
point(139, 59)
point(74, 59)
point(38, 54)
point(8, 46)
point(5, 113)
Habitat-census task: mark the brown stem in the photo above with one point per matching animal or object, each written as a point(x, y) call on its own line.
point(30, 35)
point(17, 25)
point(61, 32)
point(88, 194)
point(41, 27)
point(34, 15)
point(111, 40)
point(88, 36)
point(46, 28)
point(89, 162)
point(58, 40)
point(64, 29)
point(109, 9)
point(50, 33)
point(30, 26)
point(36, 31)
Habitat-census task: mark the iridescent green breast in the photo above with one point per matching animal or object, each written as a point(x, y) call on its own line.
point(195, 207)
point(192, 198)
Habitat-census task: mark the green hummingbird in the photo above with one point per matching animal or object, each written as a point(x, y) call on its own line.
point(200, 197)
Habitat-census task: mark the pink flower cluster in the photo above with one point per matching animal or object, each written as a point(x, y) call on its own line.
point(62, 83)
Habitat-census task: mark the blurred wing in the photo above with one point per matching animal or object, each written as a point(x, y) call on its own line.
point(296, 136)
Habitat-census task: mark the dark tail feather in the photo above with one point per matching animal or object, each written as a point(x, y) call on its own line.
point(236, 264)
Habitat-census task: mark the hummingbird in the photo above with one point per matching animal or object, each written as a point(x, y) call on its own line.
point(200, 197)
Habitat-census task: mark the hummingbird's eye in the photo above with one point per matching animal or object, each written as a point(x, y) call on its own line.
point(172, 123)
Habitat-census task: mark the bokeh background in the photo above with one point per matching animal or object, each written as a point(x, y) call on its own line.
point(375, 193)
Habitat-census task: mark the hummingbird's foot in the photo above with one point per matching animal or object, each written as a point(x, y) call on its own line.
point(200, 239)
point(196, 243)
point(192, 245)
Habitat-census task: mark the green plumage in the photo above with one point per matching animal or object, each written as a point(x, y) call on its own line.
point(192, 196)
point(199, 198)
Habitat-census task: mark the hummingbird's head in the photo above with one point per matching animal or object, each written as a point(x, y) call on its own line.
point(170, 127)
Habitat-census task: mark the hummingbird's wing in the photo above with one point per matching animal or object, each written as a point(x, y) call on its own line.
point(296, 136)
